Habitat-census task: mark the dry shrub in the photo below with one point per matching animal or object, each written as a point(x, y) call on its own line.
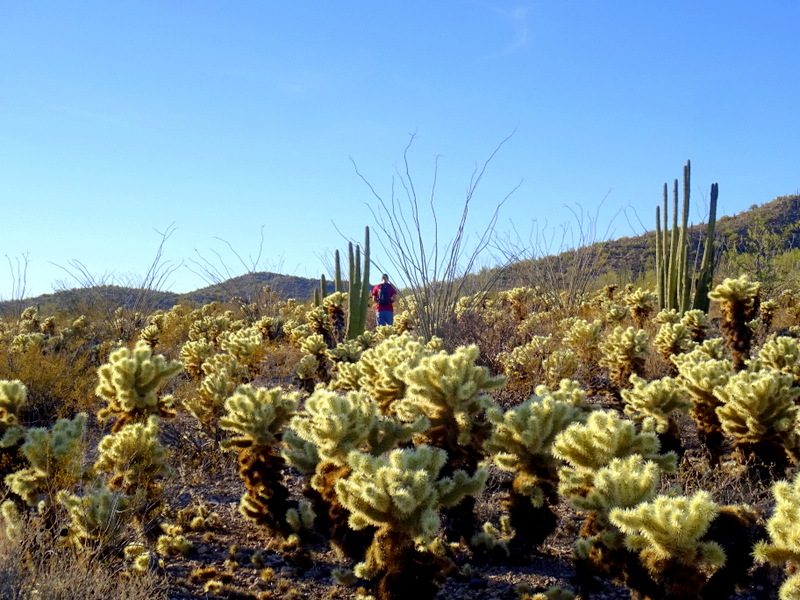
point(36, 566)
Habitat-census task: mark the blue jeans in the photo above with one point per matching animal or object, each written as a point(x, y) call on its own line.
point(385, 317)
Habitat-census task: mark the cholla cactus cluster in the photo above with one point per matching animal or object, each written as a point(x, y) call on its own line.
point(623, 353)
point(739, 301)
point(129, 383)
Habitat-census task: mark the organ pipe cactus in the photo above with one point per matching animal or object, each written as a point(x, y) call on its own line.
point(257, 417)
point(400, 494)
point(359, 292)
point(129, 383)
point(679, 286)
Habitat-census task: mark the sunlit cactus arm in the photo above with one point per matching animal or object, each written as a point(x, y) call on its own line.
point(623, 353)
point(96, 519)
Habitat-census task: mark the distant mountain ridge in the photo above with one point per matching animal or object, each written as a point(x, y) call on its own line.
point(634, 254)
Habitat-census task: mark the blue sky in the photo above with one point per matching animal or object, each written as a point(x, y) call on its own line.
point(121, 119)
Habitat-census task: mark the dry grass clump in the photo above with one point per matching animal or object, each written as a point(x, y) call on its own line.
point(35, 566)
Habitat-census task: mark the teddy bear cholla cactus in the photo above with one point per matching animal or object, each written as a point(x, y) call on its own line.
point(658, 400)
point(781, 353)
point(758, 412)
point(520, 444)
point(56, 461)
point(380, 370)
point(668, 533)
point(784, 533)
point(97, 519)
point(318, 441)
point(257, 417)
point(642, 303)
point(136, 463)
point(739, 302)
point(623, 353)
point(450, 390)
point(13, 396)
point(589, 446)
point(129, 383)
point(700, 375)
point(401, 494)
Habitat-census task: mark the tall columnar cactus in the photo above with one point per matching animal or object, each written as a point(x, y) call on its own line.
point(668, 533)
point(129, 383)
point(359, 292)
point(759, 414)
point(401, 494)
point(520, 444)
point(676, 277)
point(257, 417)
point(739, 301)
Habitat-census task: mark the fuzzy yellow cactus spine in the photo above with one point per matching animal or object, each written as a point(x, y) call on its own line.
point(223, 373)
point(623, 353)
point(642, 304)
point(520, 443)
point(759, 414)
point(783, 527)
point(129, 383)
point(672, 339)
point(781, 353)
point(247, 345)
point(380, 370)
point(668, 534)
point(401, 494)
point(739, 302)
point(257, 417)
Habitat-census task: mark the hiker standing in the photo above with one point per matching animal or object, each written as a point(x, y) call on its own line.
point(384, 294)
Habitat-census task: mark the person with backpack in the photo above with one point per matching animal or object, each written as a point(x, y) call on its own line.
point(384, 294)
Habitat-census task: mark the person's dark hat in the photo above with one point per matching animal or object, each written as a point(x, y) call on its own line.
point(384, 276)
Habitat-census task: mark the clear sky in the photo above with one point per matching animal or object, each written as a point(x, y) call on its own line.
point(122, 119)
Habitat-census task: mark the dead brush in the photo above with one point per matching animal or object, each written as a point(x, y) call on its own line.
point(36, 565)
